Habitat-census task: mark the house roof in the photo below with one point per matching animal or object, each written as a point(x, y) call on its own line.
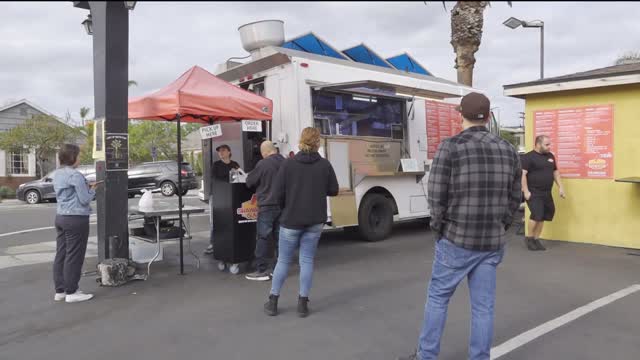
point(610, 75)
point(27, 102)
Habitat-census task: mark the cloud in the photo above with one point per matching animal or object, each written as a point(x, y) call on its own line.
point(47, 56)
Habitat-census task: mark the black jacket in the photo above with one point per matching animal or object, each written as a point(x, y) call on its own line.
point(221, 170)
point(301, 188)
point(261, 179)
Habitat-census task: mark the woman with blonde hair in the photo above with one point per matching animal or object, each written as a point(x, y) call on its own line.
point(301, 188)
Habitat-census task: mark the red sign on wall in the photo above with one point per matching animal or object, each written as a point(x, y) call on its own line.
point(581, 139)
point(443, 121)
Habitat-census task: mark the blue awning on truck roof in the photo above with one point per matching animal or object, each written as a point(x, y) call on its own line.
point(405, 62)
point(364, 54)
point(312, 44)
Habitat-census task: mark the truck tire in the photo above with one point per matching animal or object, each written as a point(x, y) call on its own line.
point(375, 217)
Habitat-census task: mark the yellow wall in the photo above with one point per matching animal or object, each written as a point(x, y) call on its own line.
point(598, 211)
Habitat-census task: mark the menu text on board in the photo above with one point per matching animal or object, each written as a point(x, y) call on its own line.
point(581, 139)
point(443, 121)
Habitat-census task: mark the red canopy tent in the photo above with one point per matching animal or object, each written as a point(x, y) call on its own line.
point(198, 96)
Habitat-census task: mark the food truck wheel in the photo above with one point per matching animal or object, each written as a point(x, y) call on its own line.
point(375, 218)
point(234, 269)
point(222, 266)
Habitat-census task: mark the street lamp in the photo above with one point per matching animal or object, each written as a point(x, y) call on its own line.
point(88, 25)
point(514, 23)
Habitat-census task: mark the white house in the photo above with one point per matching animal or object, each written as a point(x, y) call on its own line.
point(17, 168)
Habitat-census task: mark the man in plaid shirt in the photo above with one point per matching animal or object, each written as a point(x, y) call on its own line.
point(474, 191)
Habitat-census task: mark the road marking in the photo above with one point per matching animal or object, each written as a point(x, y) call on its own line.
point(26, 231)
point(549, 326)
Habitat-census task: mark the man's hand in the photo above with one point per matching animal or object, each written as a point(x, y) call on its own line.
point(527, 195)
point(562, 194)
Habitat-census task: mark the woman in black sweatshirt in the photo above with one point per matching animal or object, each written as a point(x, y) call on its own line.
point(301, 188)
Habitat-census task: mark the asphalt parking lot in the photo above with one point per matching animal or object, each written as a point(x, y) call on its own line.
point(367, 303)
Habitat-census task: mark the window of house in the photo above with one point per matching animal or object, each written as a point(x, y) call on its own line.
point(18, 163)
point(23, 111)
point(357, 115)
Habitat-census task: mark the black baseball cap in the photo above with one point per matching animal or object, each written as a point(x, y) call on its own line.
point(223, 146)
point(475, 107)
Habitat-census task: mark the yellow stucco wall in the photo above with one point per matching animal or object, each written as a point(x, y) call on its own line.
point(598, 211)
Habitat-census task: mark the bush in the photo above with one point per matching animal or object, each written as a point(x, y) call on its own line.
point(7, 192)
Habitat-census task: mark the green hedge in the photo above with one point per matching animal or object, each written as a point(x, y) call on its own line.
point(7, 193)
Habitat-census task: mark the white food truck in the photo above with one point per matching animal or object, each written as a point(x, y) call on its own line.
point(372, 113)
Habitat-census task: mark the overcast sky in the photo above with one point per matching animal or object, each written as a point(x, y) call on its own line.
point(46, 56)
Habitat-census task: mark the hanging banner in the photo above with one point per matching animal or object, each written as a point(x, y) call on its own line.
point(208, 132)
point(98, 139)
point(443, 121)
point(581, 139)
point(251, 125)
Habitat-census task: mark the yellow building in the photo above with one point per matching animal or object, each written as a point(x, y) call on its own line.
point(593, 118)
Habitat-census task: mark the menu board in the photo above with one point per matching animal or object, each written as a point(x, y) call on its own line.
point(581, 139)
point(443, 121)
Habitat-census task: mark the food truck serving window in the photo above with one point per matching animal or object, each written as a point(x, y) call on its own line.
point(348, 114)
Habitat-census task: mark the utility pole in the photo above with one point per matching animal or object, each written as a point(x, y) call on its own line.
point(108, 22)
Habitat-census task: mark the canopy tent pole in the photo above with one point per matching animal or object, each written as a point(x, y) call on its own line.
point(180, 193)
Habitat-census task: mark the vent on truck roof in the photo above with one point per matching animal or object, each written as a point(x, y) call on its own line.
point(363, 54)
point(312, 44)
point(405, 62)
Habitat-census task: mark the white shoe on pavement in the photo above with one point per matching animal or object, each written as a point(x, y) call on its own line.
point(60, 297)
point(78, 296)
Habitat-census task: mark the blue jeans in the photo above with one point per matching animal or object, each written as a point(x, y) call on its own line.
point(267, 231)
point(450, 266)
point(307, 239)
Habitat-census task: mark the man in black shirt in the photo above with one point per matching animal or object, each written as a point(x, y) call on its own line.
point(220, 172)
point(539, 171)
point(261, 179)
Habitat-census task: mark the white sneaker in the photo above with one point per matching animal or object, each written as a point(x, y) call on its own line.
point(59, 297)
point(78, 296)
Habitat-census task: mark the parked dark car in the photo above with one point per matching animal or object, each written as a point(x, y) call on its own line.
point(161, 175)
point(36, 191)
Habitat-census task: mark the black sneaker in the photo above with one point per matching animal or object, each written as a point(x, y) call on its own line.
point(258, 276)
point(539, 245)
point(271, 306)
point(303, 306)
point(531, 245)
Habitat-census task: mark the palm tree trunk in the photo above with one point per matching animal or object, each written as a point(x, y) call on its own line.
point(467, 20)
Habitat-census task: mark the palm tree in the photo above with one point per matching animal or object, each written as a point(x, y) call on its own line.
point(84, 111)
point(467, 21)
point(132, 83)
